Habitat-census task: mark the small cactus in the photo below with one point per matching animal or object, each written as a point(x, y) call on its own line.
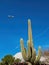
point(30, 54)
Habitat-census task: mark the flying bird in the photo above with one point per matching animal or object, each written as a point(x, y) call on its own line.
point(10, 16)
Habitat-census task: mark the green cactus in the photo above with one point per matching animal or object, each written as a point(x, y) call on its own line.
point(23, 50)
point(38, 56)
point(30, 54)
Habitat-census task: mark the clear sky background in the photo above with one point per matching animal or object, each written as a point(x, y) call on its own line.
point(12, 29)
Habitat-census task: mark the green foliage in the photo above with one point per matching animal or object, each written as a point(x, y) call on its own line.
point(1, 63)
point(8, 60)
point(17, 60)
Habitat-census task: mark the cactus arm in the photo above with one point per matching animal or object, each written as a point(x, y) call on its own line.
point(39, 55)
point(23, 50)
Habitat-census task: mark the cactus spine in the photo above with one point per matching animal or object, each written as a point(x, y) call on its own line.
point(30, 55)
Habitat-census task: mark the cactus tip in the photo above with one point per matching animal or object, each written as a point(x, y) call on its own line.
point(21, 39)
point(39, 47)
point(29, 21)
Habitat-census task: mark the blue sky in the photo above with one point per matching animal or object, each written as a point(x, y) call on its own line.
point(12, 29)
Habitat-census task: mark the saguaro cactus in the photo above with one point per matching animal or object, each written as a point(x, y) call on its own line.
point(30, 55)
